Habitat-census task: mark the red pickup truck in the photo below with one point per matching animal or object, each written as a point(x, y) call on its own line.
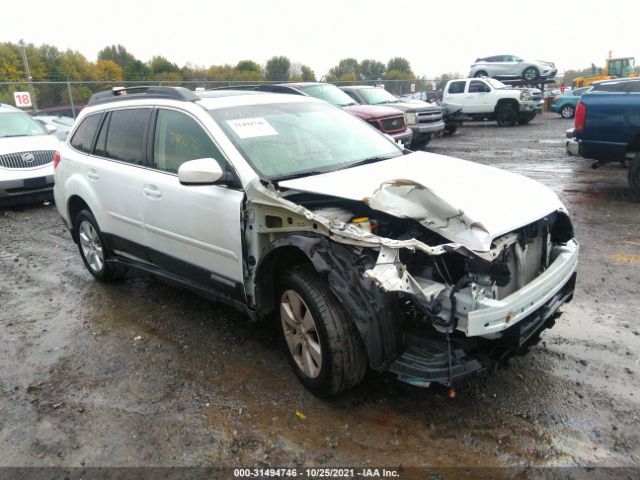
point(388, 120)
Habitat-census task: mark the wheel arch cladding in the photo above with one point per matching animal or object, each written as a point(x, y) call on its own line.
point(372, 310)
point(75, 205)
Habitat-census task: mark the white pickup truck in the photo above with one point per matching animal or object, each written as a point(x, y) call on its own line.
point(487, 98)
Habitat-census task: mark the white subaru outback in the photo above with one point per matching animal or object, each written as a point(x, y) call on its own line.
point(286, 207)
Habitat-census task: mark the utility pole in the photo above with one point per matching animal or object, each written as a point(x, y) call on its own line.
point(28, 73)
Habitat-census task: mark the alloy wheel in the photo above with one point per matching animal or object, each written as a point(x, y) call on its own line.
point(567, 111)
point(301, 333)
point(91, 246)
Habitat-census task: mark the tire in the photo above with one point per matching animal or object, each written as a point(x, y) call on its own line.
point(481, 73)
point(312, 320)
point(421, 141)
point(567, 111)
point(92, 247)
point(450, 130)
point(506, 116)
point(634, 175)
point(530, 74)
point(525, 118)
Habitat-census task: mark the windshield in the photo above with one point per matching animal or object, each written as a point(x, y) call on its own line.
point(377, 96)
point(495, 83)
point(18, 124)
point(285, 140)
point(329, 93)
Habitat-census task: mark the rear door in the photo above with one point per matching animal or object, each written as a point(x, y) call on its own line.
point(455, 94)
point(193, 230)
point(116, 171)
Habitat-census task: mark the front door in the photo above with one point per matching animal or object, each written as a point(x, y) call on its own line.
point(193, 230)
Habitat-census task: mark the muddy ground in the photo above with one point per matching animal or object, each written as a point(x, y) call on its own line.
point(140, 373)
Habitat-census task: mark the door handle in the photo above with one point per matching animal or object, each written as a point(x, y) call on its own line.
point(152, 191)
point(92, 175)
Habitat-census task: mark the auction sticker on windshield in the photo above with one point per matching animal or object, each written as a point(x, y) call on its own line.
point(252, 127)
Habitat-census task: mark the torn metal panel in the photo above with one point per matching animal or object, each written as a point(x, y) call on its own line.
point(482, 203)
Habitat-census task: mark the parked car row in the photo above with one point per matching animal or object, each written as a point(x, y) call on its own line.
point(369, 255)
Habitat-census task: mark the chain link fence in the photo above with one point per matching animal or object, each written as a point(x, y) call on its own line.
point(76, 93)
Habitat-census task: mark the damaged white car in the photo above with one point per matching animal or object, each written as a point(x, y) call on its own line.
point(368, 255)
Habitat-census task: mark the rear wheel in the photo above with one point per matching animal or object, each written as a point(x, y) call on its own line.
point(567, 111)
point(324, 347)
point(92, 247)
point(506, 116)
point(634, 175)
point(530, 74)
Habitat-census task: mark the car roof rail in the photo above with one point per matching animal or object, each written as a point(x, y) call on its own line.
point(131, 93)
point(238, 87)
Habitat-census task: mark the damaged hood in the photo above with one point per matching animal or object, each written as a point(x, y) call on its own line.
point(465, 202)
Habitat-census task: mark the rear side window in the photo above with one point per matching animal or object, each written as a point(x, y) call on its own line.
point(457, 87)
point(476, 86)
point(83, 137)
point(179, 138)
point(125, 137)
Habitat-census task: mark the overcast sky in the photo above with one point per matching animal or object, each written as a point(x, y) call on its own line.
point(435, 36)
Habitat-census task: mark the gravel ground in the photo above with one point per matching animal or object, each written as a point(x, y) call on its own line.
point(139, 373)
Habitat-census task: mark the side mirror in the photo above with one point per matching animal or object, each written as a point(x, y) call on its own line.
point(203, 171)
point(50, 128)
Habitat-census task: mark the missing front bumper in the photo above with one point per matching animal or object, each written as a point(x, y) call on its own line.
point(426, 360)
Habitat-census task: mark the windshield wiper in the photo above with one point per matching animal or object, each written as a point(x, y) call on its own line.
point(369, 160)
point(15, 135)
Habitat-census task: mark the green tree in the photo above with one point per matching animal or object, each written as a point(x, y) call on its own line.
point(118, 55)
point(307, 74)
point(372, 70)
point(399, 64)
point(346, 68)
point(10, 68)
point(136, 70)
point(248, 66)
point(160, 65)
point(277, 69)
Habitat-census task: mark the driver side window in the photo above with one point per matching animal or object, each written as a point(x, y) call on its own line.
point(179, 138)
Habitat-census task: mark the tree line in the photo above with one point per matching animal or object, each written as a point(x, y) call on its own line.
point(116, 64)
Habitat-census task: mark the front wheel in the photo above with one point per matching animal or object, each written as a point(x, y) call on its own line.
point(324, 347)
point(530, 74)
point(421, 141)
point(481, 73)
point(634, 175)
point(92, 247)
point(506, 116)
point(450, 129)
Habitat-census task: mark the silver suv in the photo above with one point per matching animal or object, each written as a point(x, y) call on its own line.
point(365, 254)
